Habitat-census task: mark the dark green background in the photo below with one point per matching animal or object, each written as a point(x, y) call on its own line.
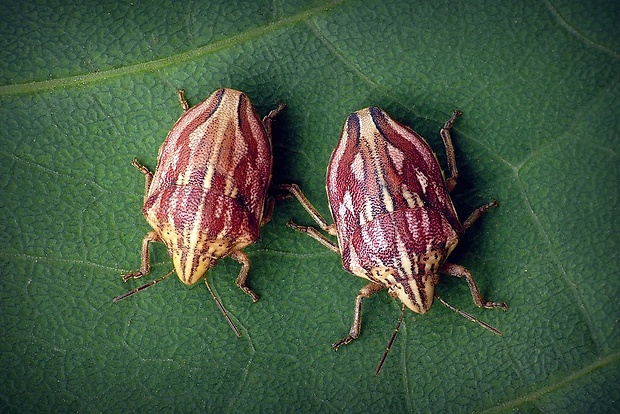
point(86, 86)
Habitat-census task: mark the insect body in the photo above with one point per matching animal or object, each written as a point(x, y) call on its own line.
point(206, 199)
point(393, 215)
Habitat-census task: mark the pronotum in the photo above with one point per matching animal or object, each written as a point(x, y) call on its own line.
point(208, 196)
point(393, 215)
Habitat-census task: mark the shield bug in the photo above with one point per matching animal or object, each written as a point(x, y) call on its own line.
point(208, 195)
point(393, 215)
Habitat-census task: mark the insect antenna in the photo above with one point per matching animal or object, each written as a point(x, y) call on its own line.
point(389, 346)
point(470, 317)
point(138, 289)
point(219, 305)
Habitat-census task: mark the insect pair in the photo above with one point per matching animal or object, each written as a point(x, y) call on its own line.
point(393, 216)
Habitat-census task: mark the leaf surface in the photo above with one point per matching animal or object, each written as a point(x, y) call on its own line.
point(85, 87)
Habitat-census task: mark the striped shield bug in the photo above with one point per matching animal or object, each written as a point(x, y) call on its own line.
point(393, 215)
point(208, 196)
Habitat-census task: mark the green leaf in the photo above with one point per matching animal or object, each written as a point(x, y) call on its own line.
point(85, 87)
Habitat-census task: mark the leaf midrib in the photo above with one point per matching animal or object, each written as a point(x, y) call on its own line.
point(153, 65)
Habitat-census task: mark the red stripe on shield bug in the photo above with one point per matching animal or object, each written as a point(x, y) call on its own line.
point(208, 196)
point(393, 215)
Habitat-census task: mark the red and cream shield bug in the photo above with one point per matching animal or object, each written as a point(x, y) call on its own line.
point(393, 215)
point(207, 197)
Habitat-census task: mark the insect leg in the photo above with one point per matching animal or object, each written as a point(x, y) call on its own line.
point(365, 292)
point(148, 175)
point(267, 120)
point(447, 142)
point(145, 267)
point(477, 213)
point(295, 190)
point(270, 204)
point(240, 257)
point(314, 233)
point(460, 271)
point(181, 95)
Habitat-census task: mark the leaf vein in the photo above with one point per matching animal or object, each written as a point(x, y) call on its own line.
point(535, 396)
point(583, 38)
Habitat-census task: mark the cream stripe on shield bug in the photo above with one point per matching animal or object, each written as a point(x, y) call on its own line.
point(208, 196)
point(393, 215)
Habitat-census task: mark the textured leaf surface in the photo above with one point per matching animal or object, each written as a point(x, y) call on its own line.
point(85, 87)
